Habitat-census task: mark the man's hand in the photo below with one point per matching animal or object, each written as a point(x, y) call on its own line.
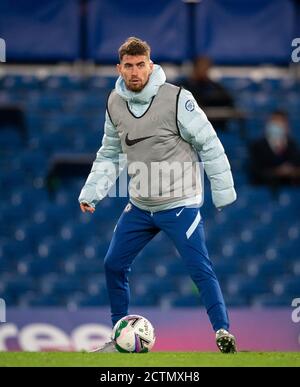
point(86, 207)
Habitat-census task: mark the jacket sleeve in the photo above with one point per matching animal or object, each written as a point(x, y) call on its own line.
point(106, 168)
point(195, 128)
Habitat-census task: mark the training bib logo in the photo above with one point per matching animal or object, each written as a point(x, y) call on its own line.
point(189, 105)
point(128, 207)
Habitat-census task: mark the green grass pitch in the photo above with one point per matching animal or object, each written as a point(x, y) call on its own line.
point(154, 359)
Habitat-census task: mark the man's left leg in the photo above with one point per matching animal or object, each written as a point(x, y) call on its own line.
point(185, 227)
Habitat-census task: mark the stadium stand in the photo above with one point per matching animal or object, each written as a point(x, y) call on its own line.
point(52, 254)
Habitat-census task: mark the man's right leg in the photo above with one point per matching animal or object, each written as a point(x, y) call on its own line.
point(134, 230)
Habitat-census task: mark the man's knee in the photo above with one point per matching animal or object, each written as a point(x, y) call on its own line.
point(112, 264)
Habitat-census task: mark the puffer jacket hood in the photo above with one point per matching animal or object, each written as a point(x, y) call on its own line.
point(157, 78)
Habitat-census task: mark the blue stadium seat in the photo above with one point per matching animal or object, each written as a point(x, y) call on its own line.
point(34, 164)
point(145, 300)
point(55, 248)
point(287, 285)
point(245, 286)
point(100, 299)
point(41, 300)
point(17, 82)
point(235, 301)
point(10, 140)
point(187, 301)
point(15, 248)
point(6, 263)
point(63, 82)
point(62, 285)
point(271, 300)
point(34, 266)
point(52, 254)
point(11, 180)
point(83, 267)
point(19, 284)
point(175, 266)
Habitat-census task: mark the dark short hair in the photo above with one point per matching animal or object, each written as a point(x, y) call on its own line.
point(281, 113)
point(134, 46)
point(202, 59)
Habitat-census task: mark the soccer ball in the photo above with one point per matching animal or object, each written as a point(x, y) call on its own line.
point(133, 333)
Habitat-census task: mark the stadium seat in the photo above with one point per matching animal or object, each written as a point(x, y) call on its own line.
point(52, 254)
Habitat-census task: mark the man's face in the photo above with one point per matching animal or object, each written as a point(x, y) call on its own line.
point(135, 70)
point(280, 121)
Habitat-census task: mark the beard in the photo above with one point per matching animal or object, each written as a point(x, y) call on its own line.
point(136, 86)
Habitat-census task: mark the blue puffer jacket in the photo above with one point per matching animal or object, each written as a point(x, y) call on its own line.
point(194, 128)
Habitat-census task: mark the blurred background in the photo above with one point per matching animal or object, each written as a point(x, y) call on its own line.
point(238, 59)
